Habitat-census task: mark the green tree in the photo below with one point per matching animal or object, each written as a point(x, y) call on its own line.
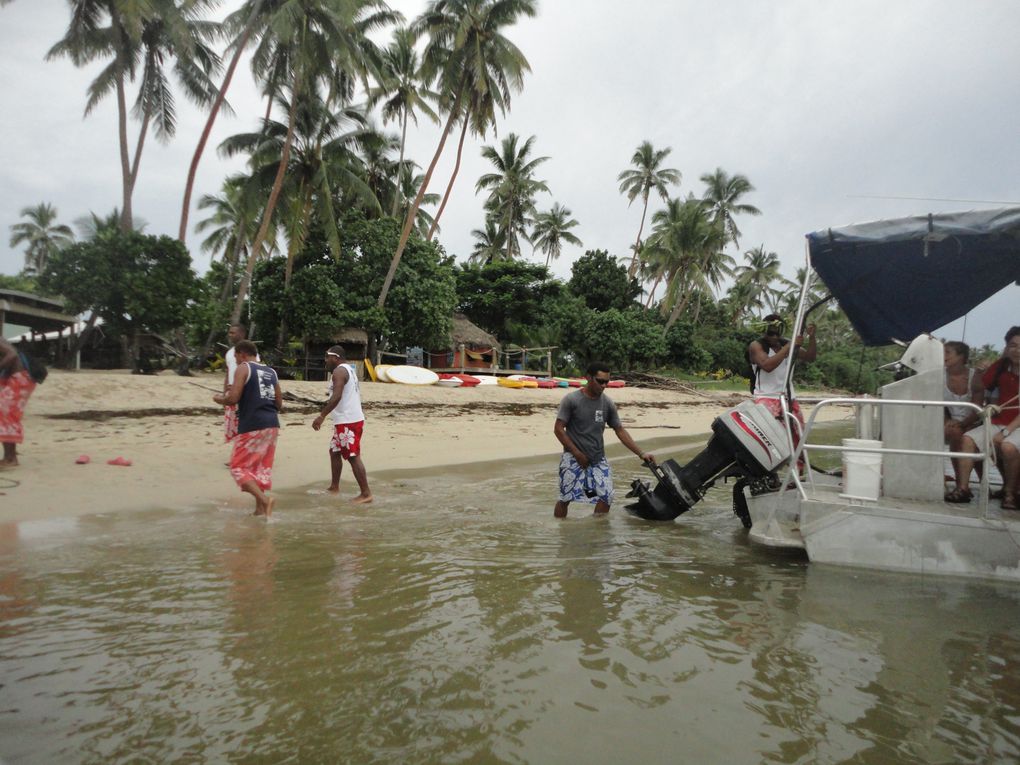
point(41, 235)
point(722, 196)
point(136, 283)
point(473, 64)
point(686, 248)
point(306, 47)
point(139, 39)
point(402, 92)
point(504, 293)
point(646, 176)
point(602, 283)
point(490, 243)
point(625, 339)
point(761, 274)
point(552, 229)
point(512, 189)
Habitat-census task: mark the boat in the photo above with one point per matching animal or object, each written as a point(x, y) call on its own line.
point(886, 510)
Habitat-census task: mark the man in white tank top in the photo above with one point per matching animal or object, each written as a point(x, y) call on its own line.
point(770, 360)
point(235, 333)
point(344, 407)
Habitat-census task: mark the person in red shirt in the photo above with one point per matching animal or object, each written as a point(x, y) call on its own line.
point(1001, 378)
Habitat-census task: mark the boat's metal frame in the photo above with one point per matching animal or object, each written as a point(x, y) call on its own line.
point(891, 532)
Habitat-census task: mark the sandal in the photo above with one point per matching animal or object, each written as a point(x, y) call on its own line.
point(1008, 502)
point(959, 496)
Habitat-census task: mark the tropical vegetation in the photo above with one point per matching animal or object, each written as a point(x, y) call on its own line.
point(331, 224)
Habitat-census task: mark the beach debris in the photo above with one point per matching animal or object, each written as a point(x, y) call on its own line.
point(83, 459)
point(119, 461)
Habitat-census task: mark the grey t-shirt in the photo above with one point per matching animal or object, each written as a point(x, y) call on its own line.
point(586, 419)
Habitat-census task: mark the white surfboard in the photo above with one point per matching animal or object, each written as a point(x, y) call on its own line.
point(412, 375)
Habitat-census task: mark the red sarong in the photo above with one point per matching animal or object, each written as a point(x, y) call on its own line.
point(229, 422)
point(14, 393)
point(252, 457)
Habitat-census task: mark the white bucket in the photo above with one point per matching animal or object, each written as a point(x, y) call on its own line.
point(862, 471)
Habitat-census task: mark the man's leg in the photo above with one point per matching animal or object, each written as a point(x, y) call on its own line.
point(361, 476)
point(261, 500)
point(560, 511)
point(10, 454)
point(601, 508)
point(966, 464)
point(336, 466)
point(1010, 474)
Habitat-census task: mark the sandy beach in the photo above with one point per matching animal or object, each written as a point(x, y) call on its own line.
point(171, 430)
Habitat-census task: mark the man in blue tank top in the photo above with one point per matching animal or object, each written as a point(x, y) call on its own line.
point(256, 391)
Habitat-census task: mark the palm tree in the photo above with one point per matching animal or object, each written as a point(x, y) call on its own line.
point(490, 243)
point(251, 12)
point(761, 273)
point(552, 228)
point(473, 64)
point(647, 176)
point(146, 36)
point(306, 45)
point(513, 187)
point(401, 90)
point(687, 247)
point(42, 235)
point(722, 195)
point(410, 182)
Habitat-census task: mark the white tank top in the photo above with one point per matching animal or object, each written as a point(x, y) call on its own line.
point(231, 360)
point(770, 384)
point(349, 408)
point(957, 412)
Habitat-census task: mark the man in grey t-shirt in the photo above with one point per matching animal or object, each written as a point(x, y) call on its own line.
point(580, 424)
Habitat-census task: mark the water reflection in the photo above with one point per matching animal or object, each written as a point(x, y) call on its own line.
point(476, 628)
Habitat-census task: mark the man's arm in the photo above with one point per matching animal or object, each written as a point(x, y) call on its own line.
point(761, 359)
point(809, 352)
point(278, 395)
point(233, 395)
point(340, 378)
point(8, 356)
point(626, 440)
point(560, 431)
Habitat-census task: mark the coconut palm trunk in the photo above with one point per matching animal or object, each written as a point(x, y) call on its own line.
point(453, 178)
point(398, 194)
point(274, 195)
point(242, 42)
point(412, 211)
point(637, 244)
point(126, 218)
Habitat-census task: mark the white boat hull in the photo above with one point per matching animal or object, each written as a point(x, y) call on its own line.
point(904, 535)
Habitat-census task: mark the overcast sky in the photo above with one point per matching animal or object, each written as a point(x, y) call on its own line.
point(824, 105)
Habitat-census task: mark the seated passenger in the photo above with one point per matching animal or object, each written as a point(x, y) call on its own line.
point(962, 384)
point(1003, 378)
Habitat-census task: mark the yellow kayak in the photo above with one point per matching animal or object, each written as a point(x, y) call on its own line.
point(507, 383)
point(370, 368)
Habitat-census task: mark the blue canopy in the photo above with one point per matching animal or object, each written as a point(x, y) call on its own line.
point(897, 279)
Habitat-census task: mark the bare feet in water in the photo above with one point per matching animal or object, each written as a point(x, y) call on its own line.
point(333, 489)
point(362, 499)
point(265, 508)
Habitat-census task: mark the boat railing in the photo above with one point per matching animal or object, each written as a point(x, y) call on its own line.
point(799, 452)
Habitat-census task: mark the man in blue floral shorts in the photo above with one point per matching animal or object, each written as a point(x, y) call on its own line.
point(582, 418)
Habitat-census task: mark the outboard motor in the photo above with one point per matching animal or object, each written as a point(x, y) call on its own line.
point(747, 441)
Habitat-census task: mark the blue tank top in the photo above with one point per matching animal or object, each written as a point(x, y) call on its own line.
point(257, 408)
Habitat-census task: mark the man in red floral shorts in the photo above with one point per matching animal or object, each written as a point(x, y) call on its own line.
point(344, 407)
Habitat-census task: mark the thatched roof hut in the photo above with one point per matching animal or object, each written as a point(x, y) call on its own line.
point(467, 333)
point(350, 336)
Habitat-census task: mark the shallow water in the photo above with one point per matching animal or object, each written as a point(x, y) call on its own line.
point(456, 621)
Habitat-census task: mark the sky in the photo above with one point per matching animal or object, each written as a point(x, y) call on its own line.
point(837, 112)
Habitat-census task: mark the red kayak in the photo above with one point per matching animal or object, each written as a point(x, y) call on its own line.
point(467, 381)
point(547, 383)
point(616, 383)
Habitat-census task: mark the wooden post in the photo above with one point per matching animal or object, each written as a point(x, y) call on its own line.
point(548, 362)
